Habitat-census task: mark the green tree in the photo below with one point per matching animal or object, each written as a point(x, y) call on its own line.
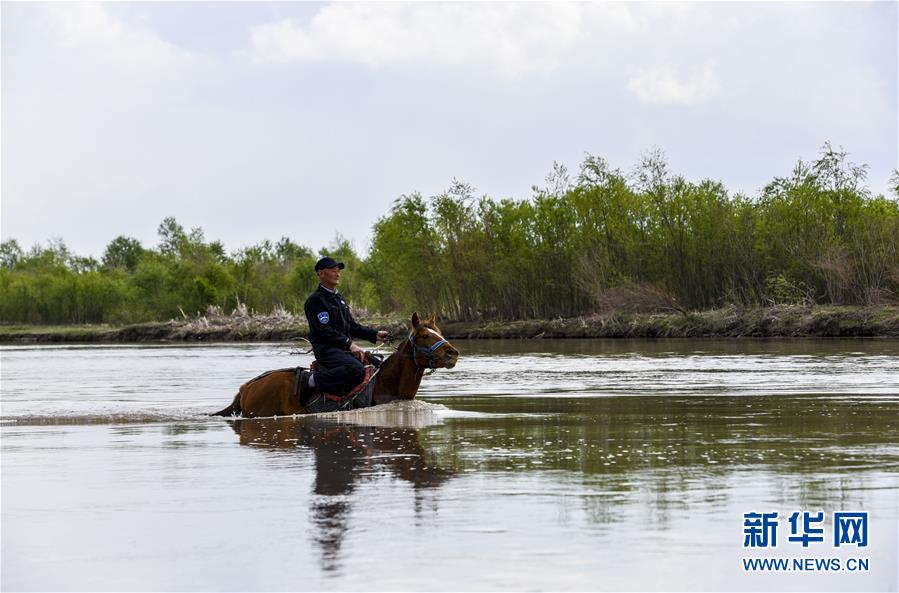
point(10, 254)
point(404, 264)
point(123, 253)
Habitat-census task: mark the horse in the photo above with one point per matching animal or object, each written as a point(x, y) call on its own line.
point(276, 393)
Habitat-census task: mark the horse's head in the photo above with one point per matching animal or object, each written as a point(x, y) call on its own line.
point(429, 348)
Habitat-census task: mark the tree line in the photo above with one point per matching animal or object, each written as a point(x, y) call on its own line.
point(600, 241)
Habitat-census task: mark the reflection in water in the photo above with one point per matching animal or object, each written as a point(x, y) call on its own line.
point(600, 458)
point(345, 455)
point(665, 452)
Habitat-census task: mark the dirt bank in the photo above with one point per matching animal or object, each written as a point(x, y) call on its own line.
point(730, 322)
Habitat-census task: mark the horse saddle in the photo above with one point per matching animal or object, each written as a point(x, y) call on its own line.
point(370, 363)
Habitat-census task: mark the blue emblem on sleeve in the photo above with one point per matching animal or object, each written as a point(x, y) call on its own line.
point(323, 317)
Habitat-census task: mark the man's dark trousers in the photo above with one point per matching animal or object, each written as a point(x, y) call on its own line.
point(344, 371)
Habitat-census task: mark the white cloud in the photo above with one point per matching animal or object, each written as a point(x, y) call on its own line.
point(660, 85)
point(129, 49)
point(513, 38)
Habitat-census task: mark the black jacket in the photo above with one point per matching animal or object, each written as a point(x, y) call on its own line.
point(330, 322)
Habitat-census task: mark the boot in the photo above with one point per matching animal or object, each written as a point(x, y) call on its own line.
point(306, 392)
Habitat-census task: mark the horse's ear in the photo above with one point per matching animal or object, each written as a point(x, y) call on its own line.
point(415, 319)
point(433, 318)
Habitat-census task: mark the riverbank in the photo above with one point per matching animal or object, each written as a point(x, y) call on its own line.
point(729, 322)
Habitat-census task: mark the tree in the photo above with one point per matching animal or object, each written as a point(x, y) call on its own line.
point(404, 264)
point(172, 237)
point(123, 253)
point(10, 253)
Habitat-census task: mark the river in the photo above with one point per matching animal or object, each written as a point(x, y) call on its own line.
point(532, 465)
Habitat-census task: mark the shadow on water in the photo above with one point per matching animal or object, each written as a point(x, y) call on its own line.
point(345, 456)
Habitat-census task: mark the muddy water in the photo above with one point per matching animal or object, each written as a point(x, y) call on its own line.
point(564, 465)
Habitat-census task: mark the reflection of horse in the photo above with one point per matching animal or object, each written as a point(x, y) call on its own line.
point(344, 455)
point(275, 393)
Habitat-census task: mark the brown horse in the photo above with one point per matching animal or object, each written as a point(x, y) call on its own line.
point(276, 393)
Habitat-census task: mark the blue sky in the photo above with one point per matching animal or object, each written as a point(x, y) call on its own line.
point(261, 120)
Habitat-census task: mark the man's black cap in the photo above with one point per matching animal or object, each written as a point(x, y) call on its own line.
point(328, 262)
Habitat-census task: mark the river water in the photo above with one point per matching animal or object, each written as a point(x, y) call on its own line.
point(532, 465)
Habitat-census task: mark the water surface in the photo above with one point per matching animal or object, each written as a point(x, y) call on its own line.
point(564, 465)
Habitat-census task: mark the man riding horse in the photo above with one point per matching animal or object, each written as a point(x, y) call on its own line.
point(331, 331)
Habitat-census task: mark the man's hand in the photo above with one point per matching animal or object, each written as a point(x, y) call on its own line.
point(383, 335)
point(354, 347)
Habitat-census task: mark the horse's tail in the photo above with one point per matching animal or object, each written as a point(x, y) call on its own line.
point(232, 410)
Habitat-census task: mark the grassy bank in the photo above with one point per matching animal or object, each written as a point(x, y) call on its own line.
point(730, 322)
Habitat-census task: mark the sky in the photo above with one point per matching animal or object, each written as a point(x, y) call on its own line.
point(307, 120)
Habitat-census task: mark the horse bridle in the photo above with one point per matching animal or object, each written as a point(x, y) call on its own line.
point(427, 352)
